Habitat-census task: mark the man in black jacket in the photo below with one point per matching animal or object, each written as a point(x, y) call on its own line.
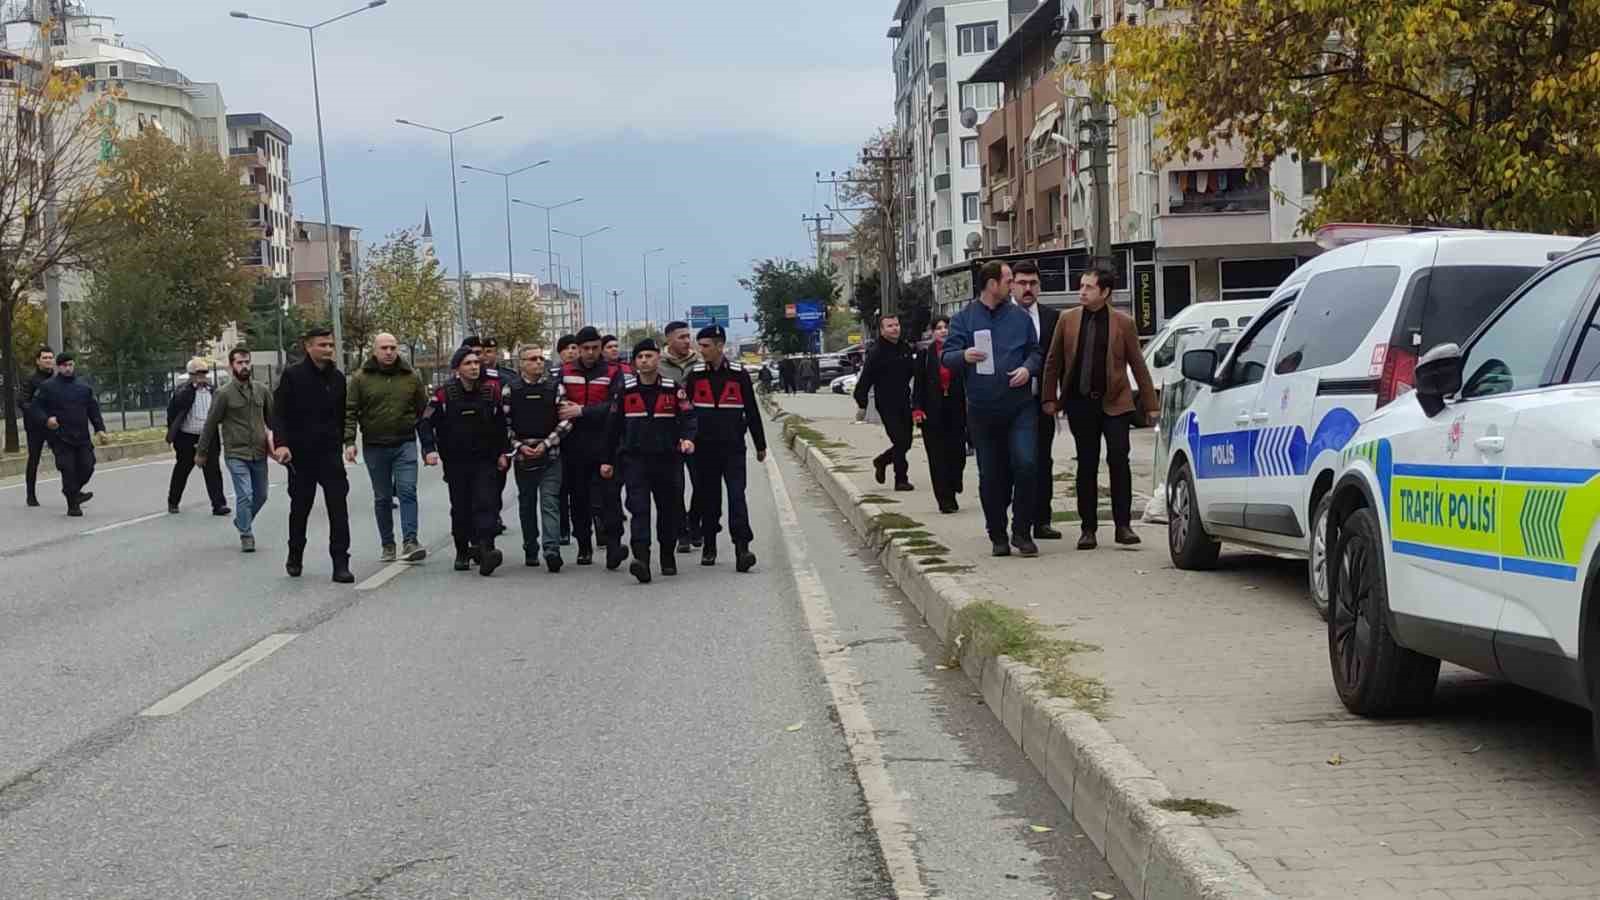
point(66, 408)
point(724, 408)
point(1025, 292)
point(186, 421)
point(465, 423)
point(44, 368)
point(650, 433)
point(308, 437)
point(888, 369)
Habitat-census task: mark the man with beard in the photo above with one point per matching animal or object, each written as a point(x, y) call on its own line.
point(238, 418)
point(307, 433)
point(679, 357)
point(465, 425)
point(65, 408)
point(1025, 293)
point(44, 368)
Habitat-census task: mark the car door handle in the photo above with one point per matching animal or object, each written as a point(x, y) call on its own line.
point(1490, 444)
point(1243, 419)
point(1260, 417)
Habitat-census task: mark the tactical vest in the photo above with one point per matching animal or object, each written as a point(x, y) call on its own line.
point(475, 428)
point(533, 408)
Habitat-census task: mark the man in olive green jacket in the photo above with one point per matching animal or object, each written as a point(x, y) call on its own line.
point(384, 400)
point(238, 416)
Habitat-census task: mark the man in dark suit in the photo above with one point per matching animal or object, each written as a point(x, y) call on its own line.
point(1025, 292)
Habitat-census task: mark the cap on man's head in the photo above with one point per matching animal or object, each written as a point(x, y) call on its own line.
point(608, 339)
point(673, 327)
point(472, 340)
point(565, 341)
point(588, 334)
point(460, 356)
point(648, 345)
point(714, 332)
point(317, 331)
point(198, 364)
point(489, 342)
point(63, 357)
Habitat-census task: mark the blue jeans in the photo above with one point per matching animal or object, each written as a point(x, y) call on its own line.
point(249, 491)
point(539, 502)
point(393, 471)
point(1007, 446)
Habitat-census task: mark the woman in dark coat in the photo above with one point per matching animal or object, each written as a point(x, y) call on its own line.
point(939, 405)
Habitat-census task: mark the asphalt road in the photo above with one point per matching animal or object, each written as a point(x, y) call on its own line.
point(446, 735)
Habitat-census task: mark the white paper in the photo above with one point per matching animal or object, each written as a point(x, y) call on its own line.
point(984, 341)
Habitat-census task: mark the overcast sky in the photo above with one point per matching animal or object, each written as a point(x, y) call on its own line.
point(695, 125)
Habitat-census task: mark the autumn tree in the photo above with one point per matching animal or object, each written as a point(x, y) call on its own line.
point(776, 283)
point(177, 217)
point(510, 317)
point(408, 291)
point(268, 320)
point(1479, 113)
point(51, 218)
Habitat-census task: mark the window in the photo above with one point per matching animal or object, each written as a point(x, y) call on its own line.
point(1167, 353)
point(1312, 176)
point(1511, 354)
point(982, 96)
point(1218, 190)
point(1455, 300)
point(980, 38)
point(969, 207)
point(1250, 365)
point(116, 71)
point(1253, 279)
point(1335, 314)
point(969, 153)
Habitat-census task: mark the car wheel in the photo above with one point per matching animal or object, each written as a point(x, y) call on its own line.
point(1374, 675)
point(1317, 565)
point(1187, 540)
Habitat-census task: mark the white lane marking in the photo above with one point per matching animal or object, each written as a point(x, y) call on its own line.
point(99, 470)
point(115, 525)
point(395, 569)
point(221, 675)
point(889, 818)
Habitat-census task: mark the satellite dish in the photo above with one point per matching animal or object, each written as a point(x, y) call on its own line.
point(1063, 53)
point(969, 118)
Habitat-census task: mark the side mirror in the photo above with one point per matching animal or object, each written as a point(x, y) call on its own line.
point(1438, 376)
point(1200, 366)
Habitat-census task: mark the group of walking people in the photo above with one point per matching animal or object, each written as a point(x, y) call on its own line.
point(997, 376)
point(576, 436)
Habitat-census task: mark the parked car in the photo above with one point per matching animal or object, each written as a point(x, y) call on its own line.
point(1464, 519)
point(844, 384)
point(1254, 456)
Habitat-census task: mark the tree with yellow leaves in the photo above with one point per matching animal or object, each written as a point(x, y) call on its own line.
point(1480, 113)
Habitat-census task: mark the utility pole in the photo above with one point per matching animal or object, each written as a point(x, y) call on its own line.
point(817, 222)
point(888, 266)
point(1098, 139)
point(616, 315)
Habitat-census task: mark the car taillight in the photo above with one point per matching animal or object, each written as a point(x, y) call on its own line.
point(1399, 374)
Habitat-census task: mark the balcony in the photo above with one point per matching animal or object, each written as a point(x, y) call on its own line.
point(254, 157)
point(1220, 229)
point(941, 181)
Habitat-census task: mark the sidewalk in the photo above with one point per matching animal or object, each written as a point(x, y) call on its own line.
point(1218, 683)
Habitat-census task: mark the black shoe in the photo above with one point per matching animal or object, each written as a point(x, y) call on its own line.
point(292, 564)
point(1047, 533)
point(744, 560)
point(489, 559)
point(1025, 545)
point(1126, 536)
point(85, 497)
point(1000, 548)
point(640, 567)
point(342, 573)
point(463, 560)
point(685, 545)
point(1088, 541)
point(552, 562)
point(566, 540)
point(219, 511)
point(880, 471)
point(948, 509)
point(616, 555)
point(904, 486)
point(172, 509)
point(708, 556)
point(585, 557)
point(32, 500)
point(530, 559)
point(74, 510)
point(697, 543)
point(669, 564)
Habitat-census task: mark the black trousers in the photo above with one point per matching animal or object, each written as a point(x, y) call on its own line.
point(691, 513)
point(75, 462)
point(946, 444)
point(715, 466)
point(596, 502)
point(36, 442)
point(1044, 469)
point(657, 477)
point(308, 472)
point(897, 424)
point(1089, 425)
point(184, 446)
point(474, 502)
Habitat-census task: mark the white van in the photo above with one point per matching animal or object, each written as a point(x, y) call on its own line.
point(1161, 354)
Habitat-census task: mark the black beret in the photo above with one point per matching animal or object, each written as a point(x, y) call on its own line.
point(490, 342)
point(714, 332)
point(64, 356)
point(472, 340)
point(461, 356)
point(647, 345)
point(565, 341)
point(588, 334)
point(609, 339)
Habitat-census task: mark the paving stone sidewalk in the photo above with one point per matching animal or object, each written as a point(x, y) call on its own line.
point(1219, 683)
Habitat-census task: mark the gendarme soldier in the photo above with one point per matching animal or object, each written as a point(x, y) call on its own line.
point(465, 424)
point(724, 402)
point(592, 385)
point(652, 429)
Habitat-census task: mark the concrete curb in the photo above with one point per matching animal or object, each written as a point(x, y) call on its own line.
point(1157, 854)
point(18, 465)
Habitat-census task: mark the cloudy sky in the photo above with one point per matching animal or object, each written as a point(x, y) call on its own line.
point(694, 125)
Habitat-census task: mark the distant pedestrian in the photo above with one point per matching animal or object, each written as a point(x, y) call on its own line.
point(787, 375)
point(992, 342)
point(44, 368)
point(384, 399)
point(677, 359)
point(887, 375)
point(650, 433)
point(66, 409)
point(236, 429)
point(1086, 375)
point(592, 384)
point(308, 412)
point(464, 424)
point(534, 406)
point(1025, 293)
point(566, 352)
point(939, 405)
point(725, 408)
point(186, 419)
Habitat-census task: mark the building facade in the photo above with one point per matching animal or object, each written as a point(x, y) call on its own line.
point(309, 265)
point(260, 147)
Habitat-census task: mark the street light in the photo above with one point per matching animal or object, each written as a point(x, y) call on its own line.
point(549, 245)
point(583, 270)
point(322, 152)
point(455, 199)
point(553, 268)
point(511, 263)
point(670, 308)
point(645, 259)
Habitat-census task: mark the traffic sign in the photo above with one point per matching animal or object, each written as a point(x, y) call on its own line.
point(808, 314)
point(702, 316)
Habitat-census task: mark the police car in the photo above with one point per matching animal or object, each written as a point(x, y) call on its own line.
point(1252, 460)
point(1463, 522)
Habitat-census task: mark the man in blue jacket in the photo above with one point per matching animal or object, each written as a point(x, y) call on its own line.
point(992, 340)
point(66, 409)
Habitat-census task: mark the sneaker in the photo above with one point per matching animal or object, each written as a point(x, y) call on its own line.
point(412, 551)
point(488, 561)
point(552, 562)
point(585, 556)
point(1127, 536)
point(388, 554)
point(1025, 545)
point(247, 544)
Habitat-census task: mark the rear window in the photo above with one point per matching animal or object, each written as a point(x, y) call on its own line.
point(1336, 312)
point(1448, 303)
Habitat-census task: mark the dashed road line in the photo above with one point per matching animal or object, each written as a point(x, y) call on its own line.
point(178, 700)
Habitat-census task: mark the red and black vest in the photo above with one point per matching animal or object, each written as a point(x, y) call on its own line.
point(597, 386)
point(654, 417)
point(723, 400)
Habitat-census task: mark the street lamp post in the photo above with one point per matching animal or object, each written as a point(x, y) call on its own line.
point(511, 263)
point(322, 153)
point(671, 310)
point(644, 259)
point(455, 199)
point(583, 269)
point(549, 244)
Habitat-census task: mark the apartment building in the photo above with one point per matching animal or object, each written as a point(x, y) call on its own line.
point(260, 146)
point(309, 265)
point(938, 46)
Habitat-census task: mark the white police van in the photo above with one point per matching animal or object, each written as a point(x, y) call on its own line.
point(1252, 460)
point(1464, 520)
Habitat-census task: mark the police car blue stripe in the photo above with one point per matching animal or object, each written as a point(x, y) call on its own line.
point(1539, 570)
point(1442, 554)
point(1536, 475)
point(1477, 473)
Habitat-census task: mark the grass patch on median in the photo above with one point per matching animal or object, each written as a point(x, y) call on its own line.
point(891, 521)
point(1205, 809)
point(991, 629)
point(928, 551)
point(944, 567)
point(848, 469)
point(879, 499)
